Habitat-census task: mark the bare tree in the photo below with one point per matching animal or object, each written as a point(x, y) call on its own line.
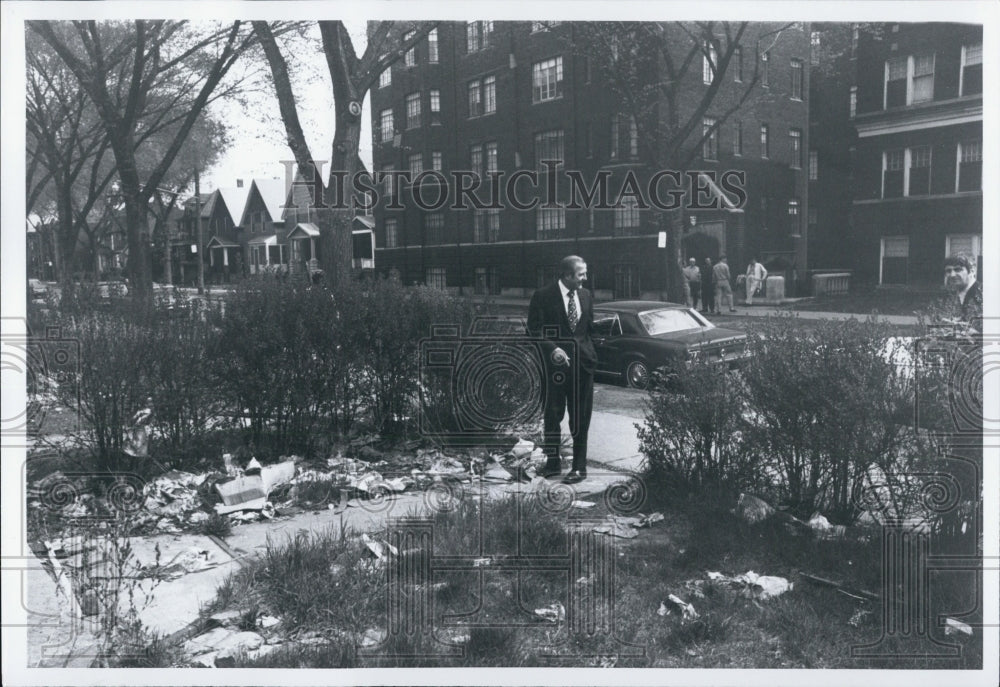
point(650, 68)
point(152, 72)
point(352, 77)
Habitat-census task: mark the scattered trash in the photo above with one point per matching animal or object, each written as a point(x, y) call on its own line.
point(648, 520)
point(522, 449)
point(267, 621)
point(137, 437)
point(480, 562)
point(953, 626)
point(499, 474)
point(248, 489)
point(190, 561)
point(276, 475)
point(583, 504)
point(553, 613)
point(753, 509)
point(372, 637)
point(753, 585)
point(618, 526)
point(675, 605)
point(380, 549)
point(858, 616)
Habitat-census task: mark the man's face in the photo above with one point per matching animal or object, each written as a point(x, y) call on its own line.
point(575, 280)
point(958, 277)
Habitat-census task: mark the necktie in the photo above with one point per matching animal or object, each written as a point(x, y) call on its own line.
point(574, 316)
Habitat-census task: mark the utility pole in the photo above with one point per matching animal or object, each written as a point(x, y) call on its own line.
point(197, 219)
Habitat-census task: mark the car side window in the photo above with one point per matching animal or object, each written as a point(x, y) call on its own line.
point(607, 324)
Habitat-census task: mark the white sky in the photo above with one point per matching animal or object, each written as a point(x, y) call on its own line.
point(257, 132)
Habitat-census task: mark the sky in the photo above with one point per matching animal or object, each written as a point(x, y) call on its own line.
point(259, 144)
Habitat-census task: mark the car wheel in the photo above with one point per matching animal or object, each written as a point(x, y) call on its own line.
point(637, 374)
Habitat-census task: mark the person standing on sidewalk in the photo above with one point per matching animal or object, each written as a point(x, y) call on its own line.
point(692, 275)
point(707, 287)
point(561, 318)
point(756, 275)
point(960, 279)
point(723, 289)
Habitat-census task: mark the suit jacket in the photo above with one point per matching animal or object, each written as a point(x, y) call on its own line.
point(971, 311)
point(548, 322)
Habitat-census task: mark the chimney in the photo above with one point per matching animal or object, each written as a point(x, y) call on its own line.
point(239, 183)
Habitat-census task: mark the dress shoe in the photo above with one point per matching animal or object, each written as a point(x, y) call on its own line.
point(550, 471)
point(574, 477)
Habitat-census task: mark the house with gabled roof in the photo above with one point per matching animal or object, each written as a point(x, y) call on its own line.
point(264, 234)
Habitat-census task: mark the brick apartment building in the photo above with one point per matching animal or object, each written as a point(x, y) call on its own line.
point(918, 168)
point(502, 96)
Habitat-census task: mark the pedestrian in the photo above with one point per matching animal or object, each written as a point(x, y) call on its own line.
point(723, 289)
point(561, 317)
point(756, 275)
point(707, 287)
point(960, 279)
point(692, 275)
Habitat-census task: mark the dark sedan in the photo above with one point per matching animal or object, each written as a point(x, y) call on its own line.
point(633, 338)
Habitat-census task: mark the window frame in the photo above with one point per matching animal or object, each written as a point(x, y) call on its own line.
point(797, 84)
point(964, 63)
point(414, 110)
point(544, 89)
point(710, 145)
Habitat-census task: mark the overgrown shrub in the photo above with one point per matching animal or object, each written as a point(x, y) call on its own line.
point(692, 434)
point(825, 405)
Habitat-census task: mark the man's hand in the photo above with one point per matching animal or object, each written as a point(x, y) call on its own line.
point(559, 357)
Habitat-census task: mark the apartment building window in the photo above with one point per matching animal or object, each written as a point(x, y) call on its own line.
point(546, 80)
point(487, 281)
point(971, 78)
point(549, 222)
point(549, 146)
point(970, 166)
point(489, 95)
point(434, 228)
point(710, 61)
point(413, 111)
point(738, 137)
point(815, 41)
point(893, 173)
point(919, 183)
point(486, 226)
point(796, 66)
point(385, 78)
point(970, 244)
point(435, 106)
point(813, 165)
point(765, 149)
point(410, 58)
point(710, 139)
point(813, 216)
point(795, 143)
point(853, 106)
point(909, 80)
point(477, 35)
point(385, 122)
point(476, 159)
point(492, 163)
point(793, 210)
point(624, 137)
point(923, 78)
point(388, 186)
point(626, 281)
point(432, 46)
point(895, 263)
point(436, 278)
point(895, 82)
point(416, 165)
point(855, 35)
point(391, 233)
point(627, 217)
point(738, 57)
point(437, 161)
point(475, 98)
point(765, 61)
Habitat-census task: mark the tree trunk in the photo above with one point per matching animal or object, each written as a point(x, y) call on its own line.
point(337, 245)
point(65, 242)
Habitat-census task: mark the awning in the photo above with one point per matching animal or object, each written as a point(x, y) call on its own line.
point(304, 231)
point(217, 242)
point(271, 240)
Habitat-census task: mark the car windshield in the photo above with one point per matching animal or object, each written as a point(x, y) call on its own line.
point(672, 320)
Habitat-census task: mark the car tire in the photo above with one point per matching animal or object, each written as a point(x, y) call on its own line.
point(636, 374)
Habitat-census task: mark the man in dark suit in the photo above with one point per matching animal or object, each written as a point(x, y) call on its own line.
point(960, 278)
point(561, 317)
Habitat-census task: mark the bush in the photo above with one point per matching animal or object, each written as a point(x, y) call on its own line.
point(692, 434)
point(825, 405)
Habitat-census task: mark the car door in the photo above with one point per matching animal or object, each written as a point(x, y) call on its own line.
point(607, 339)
